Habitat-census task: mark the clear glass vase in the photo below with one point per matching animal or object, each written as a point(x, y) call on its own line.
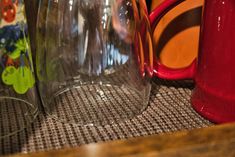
point(90, 59)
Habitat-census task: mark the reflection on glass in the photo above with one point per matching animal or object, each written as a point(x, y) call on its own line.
point(88, 57)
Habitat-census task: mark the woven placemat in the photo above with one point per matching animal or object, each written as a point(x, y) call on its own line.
point(169, 110)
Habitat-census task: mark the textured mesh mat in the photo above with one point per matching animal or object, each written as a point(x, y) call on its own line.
point(169, 110)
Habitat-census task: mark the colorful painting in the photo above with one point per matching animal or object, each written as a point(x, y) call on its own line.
point(15, 55)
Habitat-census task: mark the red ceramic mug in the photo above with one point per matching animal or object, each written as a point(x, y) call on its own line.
point(213, 71)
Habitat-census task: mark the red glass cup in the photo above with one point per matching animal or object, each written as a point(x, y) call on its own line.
point(213, 72)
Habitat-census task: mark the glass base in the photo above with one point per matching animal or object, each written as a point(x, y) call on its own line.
point(97, 104)
point(15, 115)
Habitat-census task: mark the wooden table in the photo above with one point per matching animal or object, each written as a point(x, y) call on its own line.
point(212, 141)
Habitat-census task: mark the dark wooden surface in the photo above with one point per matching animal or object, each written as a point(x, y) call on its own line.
point(213, 141)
